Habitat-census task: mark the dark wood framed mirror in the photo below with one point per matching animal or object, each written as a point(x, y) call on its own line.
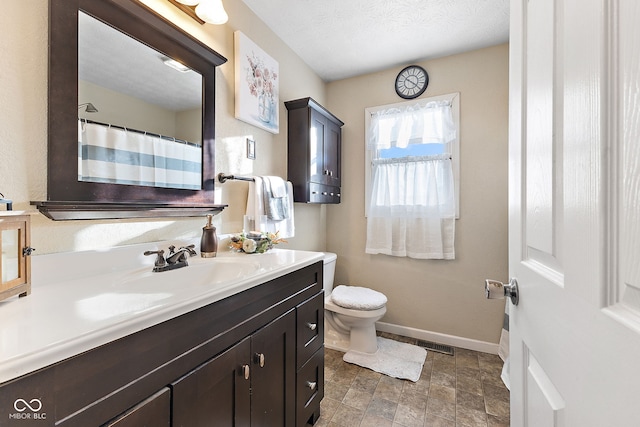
point(69, 197)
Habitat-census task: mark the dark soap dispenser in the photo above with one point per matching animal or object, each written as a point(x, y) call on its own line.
point(209, 241)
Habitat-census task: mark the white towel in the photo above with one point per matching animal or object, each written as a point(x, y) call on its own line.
point(276, 205)
point(255, 208)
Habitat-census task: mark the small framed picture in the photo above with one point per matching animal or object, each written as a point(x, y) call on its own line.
point(251, 149)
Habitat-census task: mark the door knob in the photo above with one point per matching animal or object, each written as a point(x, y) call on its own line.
point(495, 289)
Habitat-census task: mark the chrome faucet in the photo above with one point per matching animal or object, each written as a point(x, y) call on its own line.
point(174, 259)
point(181, 254)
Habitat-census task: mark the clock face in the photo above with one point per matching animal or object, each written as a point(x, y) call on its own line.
point(411, 82)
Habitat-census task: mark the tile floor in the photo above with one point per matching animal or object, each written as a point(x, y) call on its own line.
point(463, 390)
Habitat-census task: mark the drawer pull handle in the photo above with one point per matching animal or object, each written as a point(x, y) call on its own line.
point(259, 358)
point(312, 326)
point(246, 370)
point(312, 385)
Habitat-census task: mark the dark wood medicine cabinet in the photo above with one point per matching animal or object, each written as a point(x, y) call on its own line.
point(67, 197)
point(314, 152)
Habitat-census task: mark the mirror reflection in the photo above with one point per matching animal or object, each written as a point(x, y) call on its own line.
point(133, 127)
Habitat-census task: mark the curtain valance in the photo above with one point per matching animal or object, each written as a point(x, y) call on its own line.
point(430, 123)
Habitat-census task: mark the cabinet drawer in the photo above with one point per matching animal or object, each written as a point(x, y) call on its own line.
point(310, 327)
point(310, 388)
point(154, 411)
point(320, 193)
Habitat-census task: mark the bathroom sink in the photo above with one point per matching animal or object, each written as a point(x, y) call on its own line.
point(199, 273)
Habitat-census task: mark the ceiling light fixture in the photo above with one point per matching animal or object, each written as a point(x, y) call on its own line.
point(204, 11)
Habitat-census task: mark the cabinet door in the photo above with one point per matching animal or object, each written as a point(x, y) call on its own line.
point(318, 130)
point(153, 412)
point(273, 373)
point(217, 393)
point(332, 153)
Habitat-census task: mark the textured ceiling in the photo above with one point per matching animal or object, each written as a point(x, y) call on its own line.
point(346, 38)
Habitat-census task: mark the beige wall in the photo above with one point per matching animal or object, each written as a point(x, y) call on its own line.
point(23, 131)
point(438, 296)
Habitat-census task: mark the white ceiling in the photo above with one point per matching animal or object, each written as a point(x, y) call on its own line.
point(346, 38)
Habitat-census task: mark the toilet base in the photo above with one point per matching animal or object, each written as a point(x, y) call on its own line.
point(363, 340)
point(335, 340)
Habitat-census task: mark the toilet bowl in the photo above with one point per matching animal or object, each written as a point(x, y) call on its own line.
point(350, 313)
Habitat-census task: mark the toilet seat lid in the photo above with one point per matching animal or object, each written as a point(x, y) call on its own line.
point(358, 298)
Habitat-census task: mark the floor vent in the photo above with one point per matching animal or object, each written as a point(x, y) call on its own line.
point(440, 348)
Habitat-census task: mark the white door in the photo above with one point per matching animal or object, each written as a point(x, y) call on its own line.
point(574, 212)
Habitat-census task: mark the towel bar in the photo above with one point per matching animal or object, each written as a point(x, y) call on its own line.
point(222, 178)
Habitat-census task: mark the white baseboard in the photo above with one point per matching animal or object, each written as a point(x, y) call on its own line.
point(436, 337)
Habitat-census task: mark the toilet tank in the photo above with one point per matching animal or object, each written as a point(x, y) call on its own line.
point(328, 272)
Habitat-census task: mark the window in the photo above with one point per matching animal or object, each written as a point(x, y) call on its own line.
point(412, 169)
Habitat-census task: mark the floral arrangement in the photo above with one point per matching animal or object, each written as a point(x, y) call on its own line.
point(255, 242)
point(260, 78)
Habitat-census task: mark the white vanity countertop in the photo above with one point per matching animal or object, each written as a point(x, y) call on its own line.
point(81, 300)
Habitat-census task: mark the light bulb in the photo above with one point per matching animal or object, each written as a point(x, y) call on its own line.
point(212, 12)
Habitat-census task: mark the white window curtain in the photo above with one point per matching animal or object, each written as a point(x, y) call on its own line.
point(412, 205)
point(431, 123)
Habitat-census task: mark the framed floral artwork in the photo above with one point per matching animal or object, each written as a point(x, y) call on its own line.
point(256, 85)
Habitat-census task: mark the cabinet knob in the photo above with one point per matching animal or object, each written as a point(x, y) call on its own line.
point(324, 193)
point(259, 359)
point(245, 371)
point(312, 326)
point(312, 385)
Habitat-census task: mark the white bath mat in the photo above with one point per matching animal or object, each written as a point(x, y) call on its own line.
point(393, 358)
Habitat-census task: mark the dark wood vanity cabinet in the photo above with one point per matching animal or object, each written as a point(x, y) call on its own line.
point(252, 383)
point(314, 152)
point(252, 359)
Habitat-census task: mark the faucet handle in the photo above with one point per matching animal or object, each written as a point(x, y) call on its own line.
point(190, 249)
point(160, 262)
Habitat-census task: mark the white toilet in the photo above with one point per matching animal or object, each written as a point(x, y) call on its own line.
point(350, 313)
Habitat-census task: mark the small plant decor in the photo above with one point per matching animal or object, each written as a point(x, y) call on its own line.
point(255, 242)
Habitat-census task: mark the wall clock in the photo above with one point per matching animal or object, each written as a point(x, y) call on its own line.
point(411, 82)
